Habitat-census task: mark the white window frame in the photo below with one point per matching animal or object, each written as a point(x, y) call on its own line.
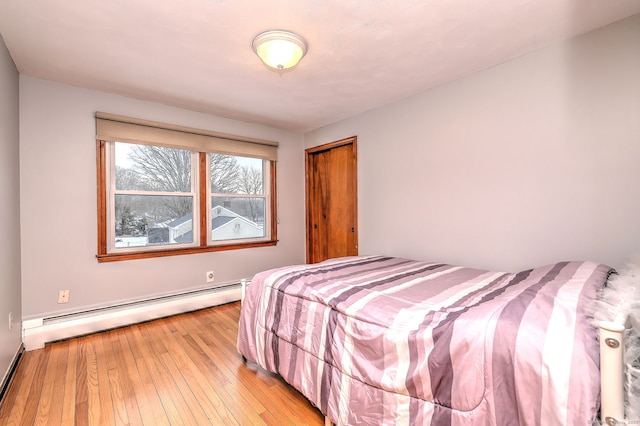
point(266, 196)
point(111, 203)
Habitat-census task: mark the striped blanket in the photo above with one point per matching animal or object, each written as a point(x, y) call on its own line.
point(377, 340)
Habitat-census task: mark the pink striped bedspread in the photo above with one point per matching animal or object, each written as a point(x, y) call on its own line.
point(375, 340)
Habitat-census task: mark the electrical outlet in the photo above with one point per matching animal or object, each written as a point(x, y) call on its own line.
point(63, 296)
point(10, 320)
point(210, 277)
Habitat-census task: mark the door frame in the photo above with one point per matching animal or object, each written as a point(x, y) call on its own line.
point(309, 152)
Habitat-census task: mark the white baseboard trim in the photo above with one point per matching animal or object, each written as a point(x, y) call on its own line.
point(36, 332)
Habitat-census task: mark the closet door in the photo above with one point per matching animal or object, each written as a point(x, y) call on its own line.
point(332, 200)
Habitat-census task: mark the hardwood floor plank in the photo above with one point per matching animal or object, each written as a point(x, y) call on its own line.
point(120, 411)
point(82, 414)
point(151, 407)
point(119, 366)
point(50, 407)
point(70, 383)
point(174, 404)
point(14, 406)
point(205, 363)
point(137, 402)
point(182, 370)
point(289, 408)
point(170, 355)
point(178, 323)
point(244, 411)
point(133, 343)
point(11, 393)
point(28, 416)
point(94, 400)
point(208, 338)
point(206, 396)
point(82, 394)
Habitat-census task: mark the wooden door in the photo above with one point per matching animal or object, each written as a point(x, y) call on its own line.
point(332, 200)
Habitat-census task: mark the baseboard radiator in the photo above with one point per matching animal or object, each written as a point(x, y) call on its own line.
point(36, 332)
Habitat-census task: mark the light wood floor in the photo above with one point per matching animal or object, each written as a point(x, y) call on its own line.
point(182, 370)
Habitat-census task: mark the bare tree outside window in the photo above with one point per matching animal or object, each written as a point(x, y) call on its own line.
point(162, 169)
point(225, 171)
point(250, 182)
point(167, 170)
point(127, 178)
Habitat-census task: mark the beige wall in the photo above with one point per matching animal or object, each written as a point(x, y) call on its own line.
point(527, 163)
point(58, 204)
point(9, 212)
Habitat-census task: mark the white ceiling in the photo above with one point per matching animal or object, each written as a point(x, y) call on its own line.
point(196, 54)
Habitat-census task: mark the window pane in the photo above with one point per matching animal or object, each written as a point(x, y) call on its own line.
point(152, 168)
point(151, 220)
point(237, 218)
point(235, 175)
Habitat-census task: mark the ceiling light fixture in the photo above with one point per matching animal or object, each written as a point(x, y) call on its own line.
point(279, 49)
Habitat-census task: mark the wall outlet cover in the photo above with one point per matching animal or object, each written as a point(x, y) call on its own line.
point(63, 296)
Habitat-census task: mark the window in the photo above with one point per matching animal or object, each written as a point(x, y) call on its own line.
point(166, 190)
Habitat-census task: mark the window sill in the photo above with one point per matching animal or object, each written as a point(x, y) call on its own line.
point(115, 257)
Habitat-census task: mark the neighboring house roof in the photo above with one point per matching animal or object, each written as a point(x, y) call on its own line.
point(237, 228)
point(186, 238)
point(218, 221)
point(216, 212)
point(226, 223)
point(223, 211)
point(179, 221)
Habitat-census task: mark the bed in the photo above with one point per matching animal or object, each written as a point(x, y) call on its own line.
point(375, 340)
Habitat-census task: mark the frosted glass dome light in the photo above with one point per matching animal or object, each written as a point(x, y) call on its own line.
point(279, 49)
